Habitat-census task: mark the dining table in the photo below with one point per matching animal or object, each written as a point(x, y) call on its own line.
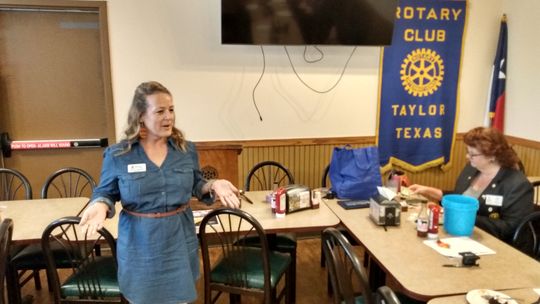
point(520, 295)
point(31, 217)
point(308, 220)
point(419, 271)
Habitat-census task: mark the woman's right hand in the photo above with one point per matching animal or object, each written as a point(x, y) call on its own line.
point(93, 217)
point(428, 192)
point(418, 189)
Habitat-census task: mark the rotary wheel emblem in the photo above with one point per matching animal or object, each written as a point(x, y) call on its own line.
point(422, 72)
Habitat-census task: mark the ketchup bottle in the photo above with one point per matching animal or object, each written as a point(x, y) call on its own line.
point(433, 223)
point(281, 202)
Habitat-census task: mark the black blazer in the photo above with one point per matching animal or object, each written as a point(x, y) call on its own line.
point(517, 200)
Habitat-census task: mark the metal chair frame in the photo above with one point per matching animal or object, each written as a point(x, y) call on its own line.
point(536, 188)
point(6, 231)
point(235, 226)
point(68, 182)
point(11, 183)
point(345, 269)
point(267, 175)
point(78, 251)
point(527, 235)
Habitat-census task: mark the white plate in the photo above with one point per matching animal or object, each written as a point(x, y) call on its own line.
point(480, 296)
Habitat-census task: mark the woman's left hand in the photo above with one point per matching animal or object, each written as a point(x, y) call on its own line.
point(226, 192)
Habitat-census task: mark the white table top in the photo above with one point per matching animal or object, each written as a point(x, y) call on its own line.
point(525, 295)
point(418, 268)
point(31, 217)
point(311, 220)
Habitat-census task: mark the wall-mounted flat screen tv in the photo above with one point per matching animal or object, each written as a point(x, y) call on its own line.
point(307, 22)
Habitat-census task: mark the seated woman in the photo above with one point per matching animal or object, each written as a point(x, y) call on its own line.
point(493, 177)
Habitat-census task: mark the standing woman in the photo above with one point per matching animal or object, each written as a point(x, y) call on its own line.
point(493, 177)
point(154, 172)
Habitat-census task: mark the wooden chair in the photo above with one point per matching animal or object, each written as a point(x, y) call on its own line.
point(268, 175)
point(14, 185)
point(527, 235)
point(6, 230)
point(92, 278)
point(68, 182)
point(240, 269)
point(349, 280)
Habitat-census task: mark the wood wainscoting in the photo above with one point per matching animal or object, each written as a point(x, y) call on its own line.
point(307, 158)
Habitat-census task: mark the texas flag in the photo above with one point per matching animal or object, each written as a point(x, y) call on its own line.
point(495, 106)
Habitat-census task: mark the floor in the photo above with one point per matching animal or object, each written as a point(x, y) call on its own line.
point(311, 279)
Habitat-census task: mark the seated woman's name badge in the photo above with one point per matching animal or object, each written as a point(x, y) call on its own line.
point(133, 168)
point(494, 200)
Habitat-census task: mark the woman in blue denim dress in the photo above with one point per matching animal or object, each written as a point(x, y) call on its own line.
point(154, 172)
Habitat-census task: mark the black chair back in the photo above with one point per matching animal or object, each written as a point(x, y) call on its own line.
point(536, 189)
point(325, 180)
point(6, 231)
point(92, 278)
point(347, 276)
point(14, 185)
point(267, 175)
point(68, 182)
point(527, 235)
point(385, 295)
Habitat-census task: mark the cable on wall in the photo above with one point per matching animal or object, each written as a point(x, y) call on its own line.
point(315, 60)
point(308, 86)
point(257, 84)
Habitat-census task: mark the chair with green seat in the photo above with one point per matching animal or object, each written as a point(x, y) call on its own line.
point(268, 175)
point(231, 267)
point(65, 182)
point(91, 278)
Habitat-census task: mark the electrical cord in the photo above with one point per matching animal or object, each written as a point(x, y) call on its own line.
point(315, 60)
point(308, 86)
point(257, 84)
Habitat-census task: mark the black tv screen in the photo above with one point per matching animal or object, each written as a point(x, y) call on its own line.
point(307, 22)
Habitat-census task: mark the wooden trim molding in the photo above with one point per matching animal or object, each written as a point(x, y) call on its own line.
point(307, 158)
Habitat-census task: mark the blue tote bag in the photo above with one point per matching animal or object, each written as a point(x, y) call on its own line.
point(355, 173)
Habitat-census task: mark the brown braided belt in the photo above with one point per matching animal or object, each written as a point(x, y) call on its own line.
point(159, 214)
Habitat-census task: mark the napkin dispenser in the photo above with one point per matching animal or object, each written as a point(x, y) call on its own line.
point(384, 212)
point(298, 198)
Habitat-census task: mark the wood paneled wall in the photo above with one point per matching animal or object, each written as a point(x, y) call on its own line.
point(307, 158)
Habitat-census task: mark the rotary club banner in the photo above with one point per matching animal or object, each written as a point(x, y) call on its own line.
point(418, 98)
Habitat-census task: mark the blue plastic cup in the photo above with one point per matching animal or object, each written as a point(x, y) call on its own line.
point(459, 214)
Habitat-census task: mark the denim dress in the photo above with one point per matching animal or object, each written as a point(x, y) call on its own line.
point(157, 257)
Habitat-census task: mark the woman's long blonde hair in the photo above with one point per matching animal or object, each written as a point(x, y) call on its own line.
point(138, 108)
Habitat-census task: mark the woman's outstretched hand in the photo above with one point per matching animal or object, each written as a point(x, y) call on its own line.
point(93, 217)
point(226, 192)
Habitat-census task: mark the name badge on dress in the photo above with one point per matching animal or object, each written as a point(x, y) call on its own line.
point(494, 200)
point(133, 168)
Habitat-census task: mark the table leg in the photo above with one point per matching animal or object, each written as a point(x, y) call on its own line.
point(377, 276)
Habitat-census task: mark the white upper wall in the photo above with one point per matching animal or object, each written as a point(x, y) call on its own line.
point(178, 44)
